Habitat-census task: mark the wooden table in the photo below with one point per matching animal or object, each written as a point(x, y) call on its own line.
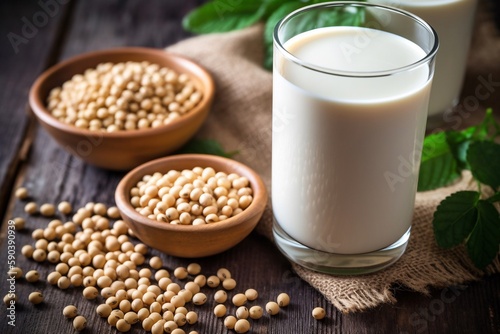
point(29, 157)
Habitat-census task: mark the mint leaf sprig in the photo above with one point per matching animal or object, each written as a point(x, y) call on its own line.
point(227, 15)
point(466, 216)
point(444, 154)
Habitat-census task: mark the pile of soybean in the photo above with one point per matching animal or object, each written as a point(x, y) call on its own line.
point(102, 257)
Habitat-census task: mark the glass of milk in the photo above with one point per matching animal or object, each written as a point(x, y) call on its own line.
point(349, 112)
point(453, 21)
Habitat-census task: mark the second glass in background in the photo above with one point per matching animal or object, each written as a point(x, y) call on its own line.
point(453, 21)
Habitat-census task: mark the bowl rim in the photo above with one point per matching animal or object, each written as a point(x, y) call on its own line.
point(40, 110)
point(257, 206)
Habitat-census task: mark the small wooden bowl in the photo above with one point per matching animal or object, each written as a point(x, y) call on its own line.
point(192, 241)
point(121, 150)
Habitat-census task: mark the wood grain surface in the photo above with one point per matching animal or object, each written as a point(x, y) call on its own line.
point(29, 157)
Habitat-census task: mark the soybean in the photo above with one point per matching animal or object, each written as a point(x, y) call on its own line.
point(104, 310)
point(35, 297)
point(70, 311)
point(242, 312)
point(229, 284)
point(122, 325)
point(213, 281)
point(191, 317)
point(272, 308)
point(79, 323)
point(223, 274)
point(21, 193)
point(19, 223)
point(47, 210)
point(220, 296)
point(199, 299)
point(65, 208)
point(9, 298)
point(16, 272)
point(256, 312)
point(180, 273)
point(193, 269)
point(251, 294)
point(220, 310)
point(90, 293)
point(242, 326)
point(230, 321)
point(239, 299)
point(31, 208)
point(318, 313)
point(283, 299)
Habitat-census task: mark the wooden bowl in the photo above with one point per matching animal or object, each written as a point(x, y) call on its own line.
point(192, 241)
point(121, 150)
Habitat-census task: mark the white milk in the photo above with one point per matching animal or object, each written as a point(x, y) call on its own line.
point(336, 139)
point(453, 21)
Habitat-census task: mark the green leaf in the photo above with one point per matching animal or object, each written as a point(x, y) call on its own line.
point(458, 142)
point(455, 217)
point(438, 167)
point(280, 12)
point(483, 242)
point(484, 161)
point(272, 5)
point(272, 20)
point(222, 16)
point(489, 127)
point(206, 146)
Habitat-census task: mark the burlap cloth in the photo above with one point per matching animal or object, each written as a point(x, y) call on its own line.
point(241, 120)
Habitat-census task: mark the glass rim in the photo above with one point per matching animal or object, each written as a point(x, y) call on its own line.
point(358, 74)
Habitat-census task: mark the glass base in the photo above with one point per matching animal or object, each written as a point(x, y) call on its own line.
point(338, 264)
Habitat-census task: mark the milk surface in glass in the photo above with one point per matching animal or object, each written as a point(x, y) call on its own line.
point(345, 161)
point(453, 21)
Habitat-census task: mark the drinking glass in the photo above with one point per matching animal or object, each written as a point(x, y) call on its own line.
point(351, 87)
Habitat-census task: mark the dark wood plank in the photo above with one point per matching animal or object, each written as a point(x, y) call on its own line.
point(52, 175)
point(29, 33)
